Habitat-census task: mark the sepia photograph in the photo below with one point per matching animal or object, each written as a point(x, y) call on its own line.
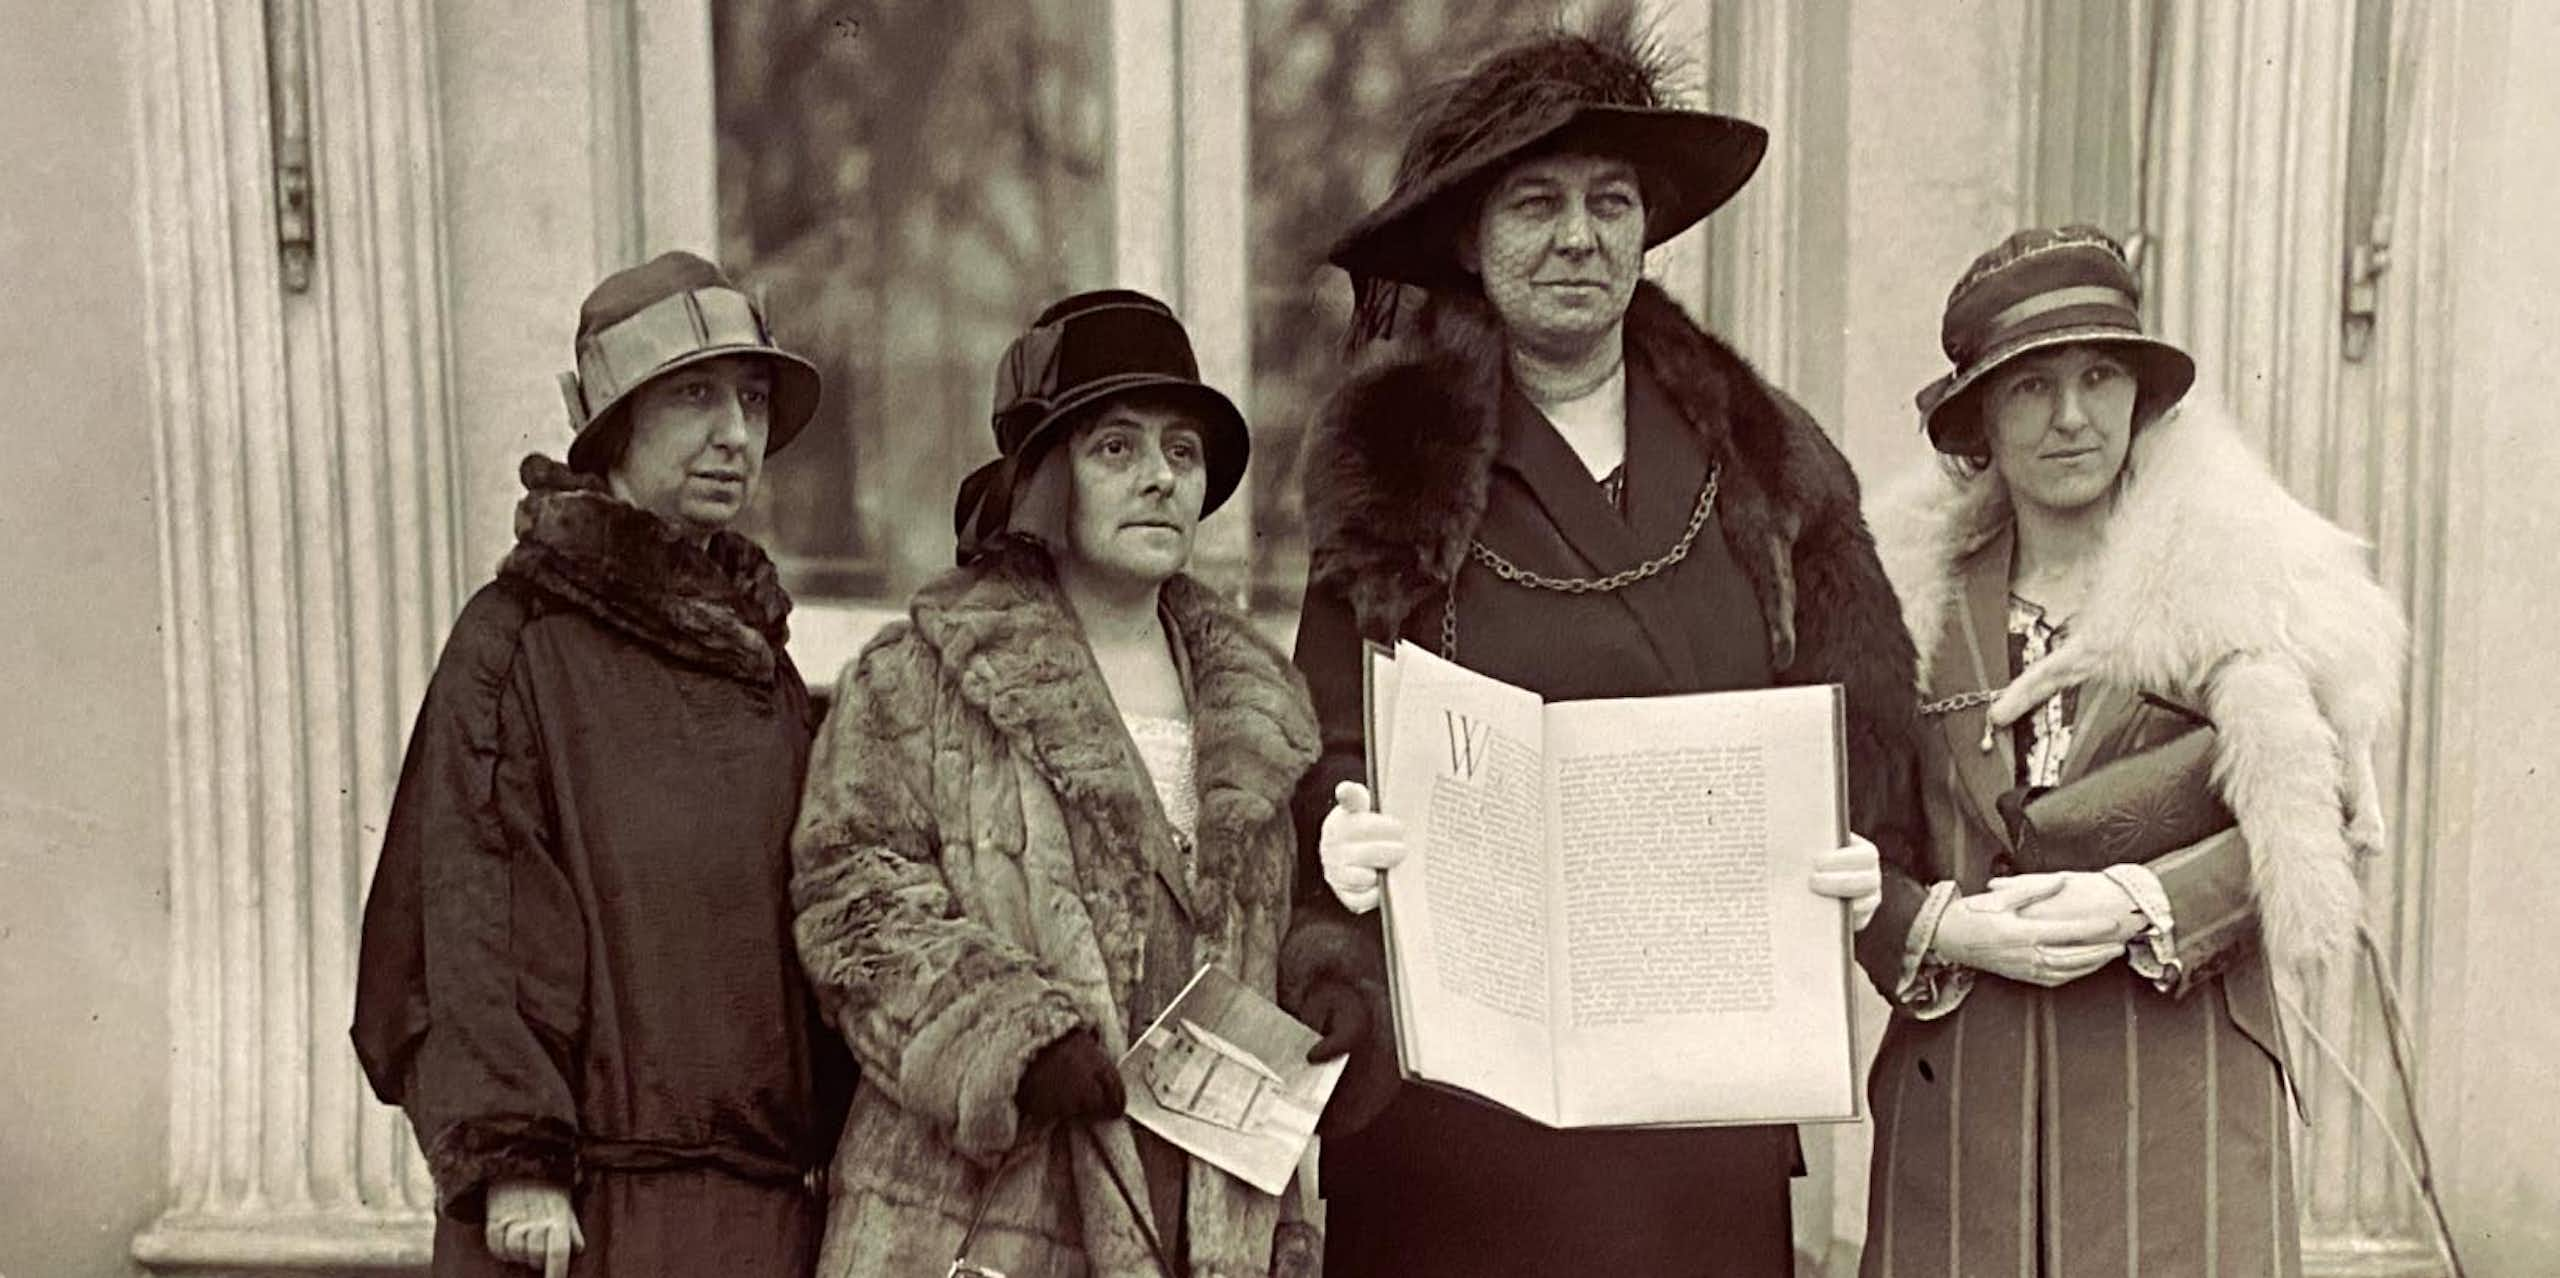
point(672, 637)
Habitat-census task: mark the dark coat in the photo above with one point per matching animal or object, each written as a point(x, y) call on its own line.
point(577, 963)
point(1433, 447)
point(976, 861)
point(2109, 1125)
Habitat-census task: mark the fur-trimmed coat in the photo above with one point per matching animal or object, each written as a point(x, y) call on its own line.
point(975, 858)
point(576, 958)
point(1428, 447)
point(2127, 1114)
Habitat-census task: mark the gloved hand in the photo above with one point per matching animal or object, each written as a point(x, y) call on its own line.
point(2079, 894)
point(1348, 1018)
point(1340, 1012)
point(1852, 874)
point(1357, 845)
point(530, 1222)
point(1990, 932)
point(1071, 1078)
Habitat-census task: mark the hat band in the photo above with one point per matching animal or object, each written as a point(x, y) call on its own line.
point(614, 359)
point(2003, 325)
point(1054, 363)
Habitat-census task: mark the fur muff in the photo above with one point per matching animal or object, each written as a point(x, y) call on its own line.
point(719, 604)
point(971, 875)
point(2215, 583)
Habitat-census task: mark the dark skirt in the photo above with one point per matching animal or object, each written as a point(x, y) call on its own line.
point(667, 1224)
point(1440, 1185)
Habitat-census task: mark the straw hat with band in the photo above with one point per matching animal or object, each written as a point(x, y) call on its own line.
point(671, 312)
point(1606, 93)
point(2040, 289)
point(1081, 351)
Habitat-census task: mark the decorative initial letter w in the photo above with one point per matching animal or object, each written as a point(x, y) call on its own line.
point(1466, 744)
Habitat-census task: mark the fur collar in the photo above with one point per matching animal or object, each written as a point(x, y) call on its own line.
point(1399, 462)
point(1006, 634)
point(719, 605)
point(2215, 582)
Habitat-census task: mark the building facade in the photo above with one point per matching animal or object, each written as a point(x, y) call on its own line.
point(295, 280)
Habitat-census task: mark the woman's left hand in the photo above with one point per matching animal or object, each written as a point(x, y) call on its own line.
point(1854, 874)
point(2077, 894)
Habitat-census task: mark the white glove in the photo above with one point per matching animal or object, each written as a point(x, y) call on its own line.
point(1990, 932)
point(1853, 875)
point(529, 1222)
point(1357, 846)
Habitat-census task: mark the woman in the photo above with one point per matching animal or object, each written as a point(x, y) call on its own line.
point(1556, 478)
point(2131, 636)
point(577, 972)
point(1040, 805)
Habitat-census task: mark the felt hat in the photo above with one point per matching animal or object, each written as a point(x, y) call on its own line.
point(1081, 351)
point(672, 312)
point(1602, 93)
point(2036, 290)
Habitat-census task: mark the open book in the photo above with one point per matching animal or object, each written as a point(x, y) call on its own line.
point(1223, 1074)
point(1603, 917)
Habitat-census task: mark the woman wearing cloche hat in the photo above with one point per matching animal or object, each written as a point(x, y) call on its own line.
point(577, 975)
point(2152, 684)
point(1043, 802)
point(1548, 472)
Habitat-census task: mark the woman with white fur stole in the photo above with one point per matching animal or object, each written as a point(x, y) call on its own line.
point(2152, 682)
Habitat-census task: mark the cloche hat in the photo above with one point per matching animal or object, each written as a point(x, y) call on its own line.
point(1080, 351)
point(671, 312)
point(2038, 289)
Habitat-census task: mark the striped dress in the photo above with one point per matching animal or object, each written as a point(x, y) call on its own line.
point(2133, 1122)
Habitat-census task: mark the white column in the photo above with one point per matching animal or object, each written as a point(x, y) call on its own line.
point(1181, 207)
point(306, 496)
point(2247, 209)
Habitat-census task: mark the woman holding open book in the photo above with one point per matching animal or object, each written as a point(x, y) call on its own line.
point(1040, 804)
point(1548, 473)
point(2153, 683)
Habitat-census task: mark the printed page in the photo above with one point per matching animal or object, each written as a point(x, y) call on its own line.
point(1703, 981)
point(1467, 910)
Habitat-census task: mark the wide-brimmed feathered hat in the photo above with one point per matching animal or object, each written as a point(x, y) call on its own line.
point(671, 312)
point(1081, 351)
point(2056, 286)
point(1606, 92)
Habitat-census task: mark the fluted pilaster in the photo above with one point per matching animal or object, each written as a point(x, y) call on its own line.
point(306, 490)
point(2249, 209)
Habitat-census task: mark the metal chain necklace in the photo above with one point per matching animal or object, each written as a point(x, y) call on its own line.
point(1616, 581)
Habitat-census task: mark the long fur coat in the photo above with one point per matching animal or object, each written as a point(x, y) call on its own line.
point(2219, 586)
point(976, 854)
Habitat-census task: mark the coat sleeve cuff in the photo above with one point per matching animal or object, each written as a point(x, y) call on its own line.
point(967, 1062)
point(471, 1155)
point(1326, 944)
point(2153, 953)
point(1930, 988)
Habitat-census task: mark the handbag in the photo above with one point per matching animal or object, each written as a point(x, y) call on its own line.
point(2131, 809)
point(963, 1267)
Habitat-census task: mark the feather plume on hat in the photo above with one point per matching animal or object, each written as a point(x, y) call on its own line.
point(1610, 90)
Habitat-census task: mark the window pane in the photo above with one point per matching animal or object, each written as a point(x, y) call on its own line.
point(909, 183)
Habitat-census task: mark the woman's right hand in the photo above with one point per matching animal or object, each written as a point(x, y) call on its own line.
point(530, 1222)
point(1357, 846)
point(1072, 1078)
point(1986, 932)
